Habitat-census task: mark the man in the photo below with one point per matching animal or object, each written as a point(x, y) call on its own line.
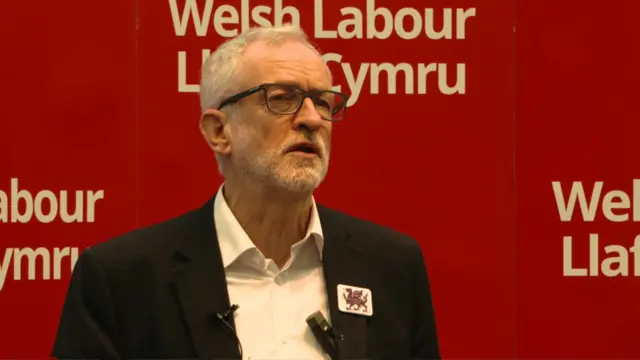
point(239, 276)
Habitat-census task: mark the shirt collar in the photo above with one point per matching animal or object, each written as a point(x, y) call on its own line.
point(234, 241)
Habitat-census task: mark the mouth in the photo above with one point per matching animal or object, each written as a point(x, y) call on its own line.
point(306, 148)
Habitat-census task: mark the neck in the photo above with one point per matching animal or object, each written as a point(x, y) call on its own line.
point(274, 219)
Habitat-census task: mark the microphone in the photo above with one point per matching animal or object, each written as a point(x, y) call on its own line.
point(224, 318)
point(323, 332)
point(227, 313)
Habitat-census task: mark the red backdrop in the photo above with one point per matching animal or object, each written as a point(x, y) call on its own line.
point(91, 102)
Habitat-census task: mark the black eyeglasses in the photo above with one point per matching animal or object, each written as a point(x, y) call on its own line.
point(287, 99)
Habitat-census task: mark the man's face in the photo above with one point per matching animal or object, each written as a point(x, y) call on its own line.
point(261, 140)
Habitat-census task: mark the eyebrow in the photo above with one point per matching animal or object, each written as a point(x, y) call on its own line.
point(299, 85)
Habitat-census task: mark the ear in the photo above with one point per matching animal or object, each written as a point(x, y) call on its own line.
point(214, 129)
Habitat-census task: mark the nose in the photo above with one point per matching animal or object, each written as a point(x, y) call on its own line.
point(308, 116)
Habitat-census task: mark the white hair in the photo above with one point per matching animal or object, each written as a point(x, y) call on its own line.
point(219, 78)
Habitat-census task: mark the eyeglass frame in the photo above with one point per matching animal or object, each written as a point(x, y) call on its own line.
point(305, 94)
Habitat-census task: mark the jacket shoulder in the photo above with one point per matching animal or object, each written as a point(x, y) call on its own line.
point(155, 240)
point(369, 235)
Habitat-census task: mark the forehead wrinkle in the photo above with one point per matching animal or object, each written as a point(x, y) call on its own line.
point(305, 79)
point(260, 57)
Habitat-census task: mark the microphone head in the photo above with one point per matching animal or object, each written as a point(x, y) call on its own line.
point(318, 320)
point(315, 318)
point(227, 313)
point(323, 333)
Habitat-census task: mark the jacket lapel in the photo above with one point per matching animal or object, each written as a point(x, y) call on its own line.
point(200, 285)
point(343, 264)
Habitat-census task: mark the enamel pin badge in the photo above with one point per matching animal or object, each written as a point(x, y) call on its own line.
point(355, 300)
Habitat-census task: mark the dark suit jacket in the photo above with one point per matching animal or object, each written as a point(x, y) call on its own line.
point(154, 293)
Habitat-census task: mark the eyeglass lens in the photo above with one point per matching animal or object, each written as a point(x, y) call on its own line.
point(286, 99)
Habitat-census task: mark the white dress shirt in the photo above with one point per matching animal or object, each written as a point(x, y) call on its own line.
point(273, 304)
